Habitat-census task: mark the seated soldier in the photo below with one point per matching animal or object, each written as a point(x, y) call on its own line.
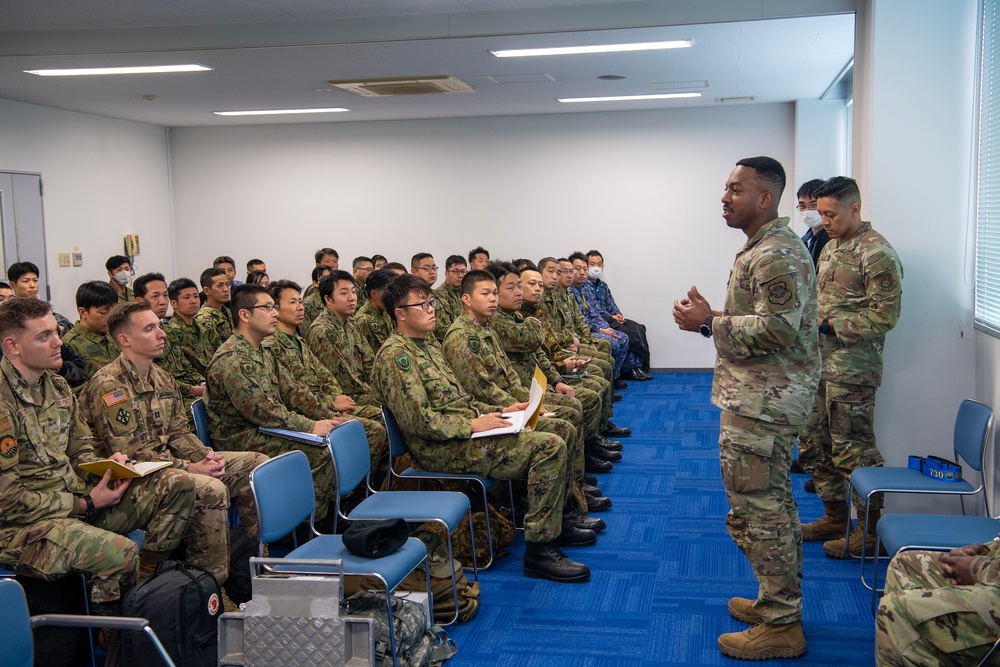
point(560, 300)
point(247, 388)
point(213, 320)
point(422, 264)
point(255, 265)
point(337, 341)
point(134, 407)
point(227, 264)
point(379, 261)
point(302, 366)
point(119, 276)
point(479, 258)
point(439, 418)
point(312, 304)
point(476, 356)
point(396, 268)
point(939, 608)
point(609, 310)
point(89, 336)
point(182, 339)
point(258, 278)
point(371, 318)
point(449, 295)
point(324, 257)
point(362, 267)
point(55, 518)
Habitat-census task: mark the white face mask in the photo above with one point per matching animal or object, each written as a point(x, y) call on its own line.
point(123, 278)
point(595, 272)
point(812, 218)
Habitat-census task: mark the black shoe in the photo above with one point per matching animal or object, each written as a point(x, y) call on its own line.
point(613, 431)
point(646, 377)
point(618, 397)
point(598, 504)
point(590, 479)
point(544, 560)
point(620, 383)
point(599, 452)
point(580, 520)
point(796, 467)
point(571, 536)
point(636, 375)
point(595, 465)
point(612, 445)
point(591, 490)
point(809, 486)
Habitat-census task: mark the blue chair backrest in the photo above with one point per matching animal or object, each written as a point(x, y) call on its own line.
point(19, 648)
point(397, 444)
point(972, 425)
point(283, 489)
point(200, 415)
point(351, 456)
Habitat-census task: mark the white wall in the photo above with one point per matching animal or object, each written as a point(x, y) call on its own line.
point(643, 187)
point(103, 178)
point(819, 144)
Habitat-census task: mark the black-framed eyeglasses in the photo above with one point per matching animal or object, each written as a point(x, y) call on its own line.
point(458, 272)
point(428, 305)
point(266, 307)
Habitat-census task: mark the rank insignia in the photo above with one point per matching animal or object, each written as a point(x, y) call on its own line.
point(124, 416)
point(247, 369)
point(114, 397)
point(8, 447)
point(886, 283)
point(778, 294)
point(474, 345)
point(403, 361)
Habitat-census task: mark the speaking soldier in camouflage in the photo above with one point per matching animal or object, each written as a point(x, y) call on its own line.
point(438, 418)
point(766, 372)
point(134, 407)
point(247, 389)
point(55, 518)
point(859, 292)
point(939, 608)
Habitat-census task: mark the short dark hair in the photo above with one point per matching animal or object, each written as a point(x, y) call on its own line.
point(578, 256)
point(478, 250)
point(115, 261)
point(472, 278)
point(244, 297)
point(521, 261)
point(322, 252)
point(19, 269)
point(223, 259)
point(843, 189)
point(319, 271)
point(454, 260)
point(594, 253)
point(252, 263)
point(376, 258)
point(208, 274)
point(175, 287)
point(17, 310)
point(278, 286)
point(768, 170)
point(499, 270)
point(419, 257)
point(328, 284)
point(808, 189)
point(95, 294)
point(4, 285)
point(361, 259)
point(119, 316)
point(527, 266)
point(545, 261)
point(254, 277)
point(396, 291)
point(396, 266)
point(377, 280)
point(139, 286)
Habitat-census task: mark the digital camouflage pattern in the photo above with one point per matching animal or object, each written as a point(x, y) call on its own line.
point(214, 328)
point(312, 304)
point(344, 350)
point(448, 309)
point(146, 420)
point(563, 325)
point(126, 295)
point(302, 366)
point(623, 359)
point(374, 324)
point(435, 414)
point(925, 620)
point(42, 440)
point(246, 389)
point(97, 349)
point(181, 337)
point(359, 292)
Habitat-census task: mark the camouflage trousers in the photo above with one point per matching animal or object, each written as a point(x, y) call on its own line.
point(569, 408)
point(764, 519)
point(623, 359)
point(924, 620)
point(839, 438)
point(539, 458)
point(602, 365)
point(604, 393)
point(161, 503)
point(237, 482)
point(574, 456)
point(587, 402)
point(319, 463)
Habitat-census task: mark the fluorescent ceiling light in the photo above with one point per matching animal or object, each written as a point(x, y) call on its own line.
point(90, 71)
point(629, 98)
point(597, 48)
point(277, 112)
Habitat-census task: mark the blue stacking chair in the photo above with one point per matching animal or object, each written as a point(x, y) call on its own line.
point(199, 414)
point(398, 447)
point(19, 645)
point(352, 463)
point(283, 490)
point(973, 426)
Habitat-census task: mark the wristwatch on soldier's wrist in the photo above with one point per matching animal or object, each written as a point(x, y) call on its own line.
point(706, 327)
point(91, 511)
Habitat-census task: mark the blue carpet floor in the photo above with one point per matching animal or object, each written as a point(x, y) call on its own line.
point(665, 568)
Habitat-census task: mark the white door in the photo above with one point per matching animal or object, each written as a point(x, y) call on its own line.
point(23, 224)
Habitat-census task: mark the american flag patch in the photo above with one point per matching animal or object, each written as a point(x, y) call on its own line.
point(114, 398)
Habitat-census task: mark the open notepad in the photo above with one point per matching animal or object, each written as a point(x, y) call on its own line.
point(119, 471)
point(296, 436)
point(522, 419)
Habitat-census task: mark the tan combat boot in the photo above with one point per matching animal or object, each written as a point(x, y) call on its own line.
point(742, 610)
point(838, 549)
point(831, 525)
point(764, 641)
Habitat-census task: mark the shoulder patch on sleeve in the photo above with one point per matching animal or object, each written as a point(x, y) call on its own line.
point(886, 282)
point(8, 447)
point(780, 294)
point(114, 397)
point(474, 344)
point(246, 368)
point(403, 361)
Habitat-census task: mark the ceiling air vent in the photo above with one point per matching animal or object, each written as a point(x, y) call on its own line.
point(424, 85)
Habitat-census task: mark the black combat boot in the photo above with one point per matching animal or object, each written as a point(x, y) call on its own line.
point(580, 520)
point(544, 560)
point(571, 536)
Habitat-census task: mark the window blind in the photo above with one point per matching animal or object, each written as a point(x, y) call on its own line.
point(988, 175)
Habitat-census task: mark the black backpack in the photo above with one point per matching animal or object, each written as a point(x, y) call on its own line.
point(182, 604)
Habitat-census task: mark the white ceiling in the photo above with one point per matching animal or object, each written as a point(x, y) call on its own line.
point(271, 54)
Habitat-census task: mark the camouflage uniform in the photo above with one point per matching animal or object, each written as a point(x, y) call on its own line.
point(859, 289)
point(97, 349)
point(359, 292)
point(175, 362)
point(925, 620)
point(192, 344)
point(435, 414)
point(42, 440)
point(584, 295)
point(126, 295)
point(246, 389)
point(476, 356)
point(312, 304)
point(558, 314)
point(214, 328)
point(766, 374)
point(375, 325)
point(343, 349)
point(448, 309)
point(302, 366)
point(147, 421)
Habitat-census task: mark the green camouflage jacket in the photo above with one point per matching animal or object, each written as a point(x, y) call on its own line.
point(859, 286)
point(214, 328)
point(313, 306)
point(302, 366)
point(767, 364)
point(344, 350)
point(448, 309)
point(376, 325)
point(476, 355)
point(174, 359)
point(98, 350)
point(522, 339)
